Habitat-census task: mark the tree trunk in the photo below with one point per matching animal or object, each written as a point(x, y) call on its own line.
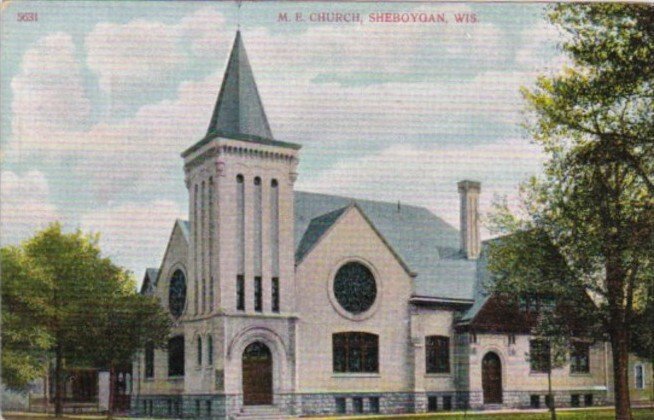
point(621, 374)
point(58, 378)
point(112, 393)
point(552, 406)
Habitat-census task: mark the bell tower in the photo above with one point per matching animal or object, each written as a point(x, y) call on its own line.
point(240, 184)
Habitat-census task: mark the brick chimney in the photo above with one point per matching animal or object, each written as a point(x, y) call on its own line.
point(470, 241)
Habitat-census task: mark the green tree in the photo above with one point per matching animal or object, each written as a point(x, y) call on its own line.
point(594, 202)
point(62, 298)
point(125, 322)
point(25, 337)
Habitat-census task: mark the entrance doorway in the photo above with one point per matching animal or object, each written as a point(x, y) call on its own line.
point(257, 375)
point(491, 378)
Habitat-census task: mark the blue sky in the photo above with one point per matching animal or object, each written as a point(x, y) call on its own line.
point(99, 99)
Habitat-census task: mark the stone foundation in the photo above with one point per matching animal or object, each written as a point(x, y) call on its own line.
point(523, 399)
point(224, 406)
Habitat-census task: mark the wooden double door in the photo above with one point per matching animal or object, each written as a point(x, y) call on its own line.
point(257, 375)
point(491, 378)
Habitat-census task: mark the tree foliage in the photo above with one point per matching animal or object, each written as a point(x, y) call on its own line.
point(62, 298)
point(594, 203)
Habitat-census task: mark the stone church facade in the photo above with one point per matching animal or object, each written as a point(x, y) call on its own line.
point(289, 303)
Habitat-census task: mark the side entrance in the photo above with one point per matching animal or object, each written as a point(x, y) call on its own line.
point(491, 378)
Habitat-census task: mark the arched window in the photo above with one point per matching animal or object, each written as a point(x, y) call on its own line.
point(240, 224)
point(199, 351)
point(149, 360)
point(355, 352)
point(210, 349)
point(177, 293)
point(437, 354)
point(639, 376)
point(176, 356)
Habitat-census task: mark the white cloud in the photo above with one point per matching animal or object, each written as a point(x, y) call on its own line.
point(145, 57)
point(24, 205)
point(428, 177)
point(48, 92)
point(134, 234)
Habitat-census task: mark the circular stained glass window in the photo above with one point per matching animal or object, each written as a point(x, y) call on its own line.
point(355, 288)
point(177, 293)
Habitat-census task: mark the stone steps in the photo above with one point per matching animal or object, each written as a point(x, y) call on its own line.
point(261, 412)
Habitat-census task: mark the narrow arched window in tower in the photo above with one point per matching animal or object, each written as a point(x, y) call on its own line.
point(240, 243)
point(240, 224)
point(211, 233)
point(256, 222)
point(195, 249)
point(274, 244)
point(203, 245)
point(199, 353)
point(210, 349)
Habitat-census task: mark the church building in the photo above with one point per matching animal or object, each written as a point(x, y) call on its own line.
point(288, 303)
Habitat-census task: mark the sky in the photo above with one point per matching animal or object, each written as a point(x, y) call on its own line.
point(98, 100)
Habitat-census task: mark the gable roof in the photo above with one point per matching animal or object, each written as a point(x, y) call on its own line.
point(428, 245)
point(149, 281)
point(316, 229)
point(239, 110)
point(320, 225)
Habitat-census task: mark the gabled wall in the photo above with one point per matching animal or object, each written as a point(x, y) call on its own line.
point(353, 239)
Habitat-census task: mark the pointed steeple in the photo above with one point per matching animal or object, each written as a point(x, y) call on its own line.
point(239, 110)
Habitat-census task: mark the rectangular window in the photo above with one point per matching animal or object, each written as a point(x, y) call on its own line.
point(208, 408)
point(588, 400)
point(258, 297)
point(357, 404)
point(170, 407)
point(199, 352)
point(145, 407)
point(240, 292)
point(151, 407)
point(355, 352)
point(340, 405)
point(574, 400)
point(275, 294)
point(539, 356)
point(447, 403)
point(149, 360)
point(473, 338)
point(534, 401)
point(432, 403)
point(374, 404)
point(511, 339)
point(579, 358)
point(437, 351)
point(640, 377)
point(210, 350)
point(176, 356)
point(197, 408)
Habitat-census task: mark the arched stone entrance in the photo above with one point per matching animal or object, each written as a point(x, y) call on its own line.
point(491, 378)
point(257, 365)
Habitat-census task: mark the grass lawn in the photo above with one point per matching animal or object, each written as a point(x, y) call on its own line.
point(597, 414)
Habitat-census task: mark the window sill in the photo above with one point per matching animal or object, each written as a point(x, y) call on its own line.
point(533, 373)
point(438, 375)
point(356, 375)
point(582, 374)
point(176, 378)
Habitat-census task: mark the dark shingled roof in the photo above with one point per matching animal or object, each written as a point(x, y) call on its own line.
point(239, 110)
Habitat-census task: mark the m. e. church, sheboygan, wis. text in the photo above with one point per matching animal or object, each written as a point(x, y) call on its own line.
point(291, 303)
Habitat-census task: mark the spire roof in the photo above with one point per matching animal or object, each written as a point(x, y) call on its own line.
point(238, 110)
